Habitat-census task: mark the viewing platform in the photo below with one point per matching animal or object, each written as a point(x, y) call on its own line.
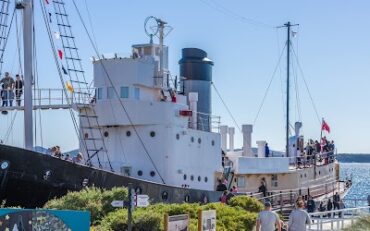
point(46, 99)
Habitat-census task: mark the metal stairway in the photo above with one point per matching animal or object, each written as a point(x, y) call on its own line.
point(90, 132)
point(4, 12)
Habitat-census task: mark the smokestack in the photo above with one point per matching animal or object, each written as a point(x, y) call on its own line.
point(223, 131)
point(231, 138)
point(261, 148)
point(247, 130)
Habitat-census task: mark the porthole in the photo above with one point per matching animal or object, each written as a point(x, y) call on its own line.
point(106, 134)
point(192, 139)
point(86, 135)
point(191, 177)
point(177, 136)
point(139, 173)
point(185, 176)
point(319, 172)
point(164, 195)
point(213, 143)
point(199, 178)
point(199, 140)
point(128, 133)
point(152, 134)
point(152, 173)
point(138, 190)
point(187, 198)
point(205, 179)
point(301, 176)
point(306, 175)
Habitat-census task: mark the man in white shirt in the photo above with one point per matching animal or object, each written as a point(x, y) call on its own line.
point(268, 220)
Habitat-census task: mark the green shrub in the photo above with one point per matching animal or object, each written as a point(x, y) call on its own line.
point(250, 204)
point(95, 200)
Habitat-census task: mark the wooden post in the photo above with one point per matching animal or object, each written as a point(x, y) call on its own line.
point(199, 220)
point(165, 224)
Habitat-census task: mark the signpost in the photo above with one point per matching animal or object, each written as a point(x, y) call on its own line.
point(142, 200)
point(207, 220)
point(176, 222)
point(118, 204)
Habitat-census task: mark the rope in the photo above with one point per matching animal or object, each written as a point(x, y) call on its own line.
point(225, 105)
point(269, 85)
point(218, 7)
point(307, 88)
point(116, 92)
point(6, 41)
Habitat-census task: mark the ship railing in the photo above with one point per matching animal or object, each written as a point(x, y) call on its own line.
point(207, 122)
point(281, 200)
point(306, 161)
point(46, 98)
point(337, 219)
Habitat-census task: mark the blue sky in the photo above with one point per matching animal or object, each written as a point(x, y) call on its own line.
point(240, 37)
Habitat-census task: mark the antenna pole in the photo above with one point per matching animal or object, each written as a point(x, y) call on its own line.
point(28, 72)
point(287, 25)
point(161, 25)
point(287, 87)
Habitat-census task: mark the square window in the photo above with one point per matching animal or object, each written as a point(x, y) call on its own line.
point(110, 92)
point(124, 92)
point(241, 182)
point(137, 93)
point(99, 93)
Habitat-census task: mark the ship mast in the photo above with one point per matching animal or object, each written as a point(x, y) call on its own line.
point(27, 8)
point(288, 25)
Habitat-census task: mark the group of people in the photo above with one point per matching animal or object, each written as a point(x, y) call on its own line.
point(10, 89)
point(268, 220)
point(56, 152)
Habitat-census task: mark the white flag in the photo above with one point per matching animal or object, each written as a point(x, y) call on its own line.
point(57, 35)
point(294, 34)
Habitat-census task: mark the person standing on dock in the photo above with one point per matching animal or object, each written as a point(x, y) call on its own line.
point(268, 220)
point(336, 200)
point(299, 218)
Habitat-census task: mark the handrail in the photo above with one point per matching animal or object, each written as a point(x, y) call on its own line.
point(326, 221)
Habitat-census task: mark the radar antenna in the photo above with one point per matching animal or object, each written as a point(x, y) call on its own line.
point(151, 27)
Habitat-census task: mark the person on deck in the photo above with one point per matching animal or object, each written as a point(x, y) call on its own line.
point(268, 220)
point(262, 189)
point(221, 187)
point(267, 150)
point(311, 205)
point(7, 87)
point(18, 89)
point(336, 200)
point(329, 207)
point(77, 159)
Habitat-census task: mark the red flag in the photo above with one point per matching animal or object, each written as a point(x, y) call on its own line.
point(325, 126)
point(60, 53)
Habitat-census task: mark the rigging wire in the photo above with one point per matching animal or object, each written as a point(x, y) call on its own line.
point(218, 7)
point(91, 25)
point(280, 74)
point(307, 88)
point(6, 41)
point(269, 85)
point(57, 65)
point(297, 96)
point(225, 105)
point(116, 93)
point(18, 32)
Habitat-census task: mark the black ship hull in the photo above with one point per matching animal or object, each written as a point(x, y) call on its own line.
point(29, 179)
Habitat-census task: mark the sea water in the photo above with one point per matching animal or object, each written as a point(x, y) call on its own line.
point(360, 174)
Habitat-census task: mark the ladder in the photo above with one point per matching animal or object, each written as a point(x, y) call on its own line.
point(4, 13)
point(90, 132)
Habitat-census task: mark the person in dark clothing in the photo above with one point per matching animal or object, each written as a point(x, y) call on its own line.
point(221, 187)
point(336, 200)
point(322, 207)
point(311, 206)
point(267, 150)
point(18, 89)
point(262, 189)
point(329, 207)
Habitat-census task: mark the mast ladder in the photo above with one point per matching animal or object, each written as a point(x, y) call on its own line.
point(90, 132)
point(4, 12)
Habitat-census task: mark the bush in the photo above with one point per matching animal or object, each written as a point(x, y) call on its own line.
point(250, 204)
point(363, 224)
point(95, 200)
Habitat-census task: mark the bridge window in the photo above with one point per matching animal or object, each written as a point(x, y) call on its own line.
point(110, 92)
point(124, 92)
point(99, 93)
point(274, 180)
point(137, 93)
point(241, 182)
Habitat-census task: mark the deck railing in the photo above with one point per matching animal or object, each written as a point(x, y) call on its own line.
point(345, 218)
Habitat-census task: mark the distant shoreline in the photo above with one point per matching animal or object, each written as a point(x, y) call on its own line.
point(353, 158)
